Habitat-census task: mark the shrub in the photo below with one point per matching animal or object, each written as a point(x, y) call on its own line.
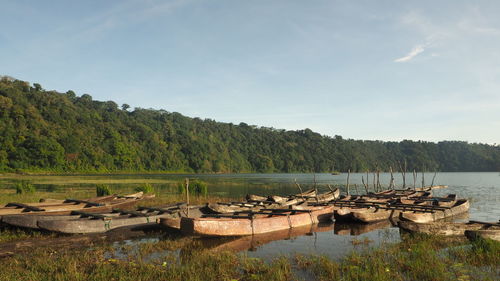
point(146, 188)
point(103, 190)
point(24, 187)
point(196, 187)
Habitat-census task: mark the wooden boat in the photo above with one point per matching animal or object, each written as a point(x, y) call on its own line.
point(393, 209)
point(173, 221)
point(489, 231)
point(434, 213)
point(280, 199)
point(81, 222)
point(446, 228)
point(57, 202)
point(251, 223)
point(70, 205)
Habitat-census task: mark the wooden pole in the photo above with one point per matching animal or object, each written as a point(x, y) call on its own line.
point(187, 197)
point(315, 187)
point(348, 175)
point(364, 184)
point(435, 173)
point(368, 180)
point(379, 187)
point(391, 184)
point(375, 182)
point(423, 177)
point(356, 188)
point(403, 173)
point(414, 180)
point(300, 188)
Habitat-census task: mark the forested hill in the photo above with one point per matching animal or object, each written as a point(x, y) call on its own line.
point(50, 131)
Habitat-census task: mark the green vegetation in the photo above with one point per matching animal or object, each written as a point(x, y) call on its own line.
point(24, 187)
point(103, 190)
point(196, 187)
point(146, 188)
point(417, 258)
point(46, 131)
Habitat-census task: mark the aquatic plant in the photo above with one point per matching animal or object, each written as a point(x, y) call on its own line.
point(103, 190)
point(146, 188)
point(196, 187)
point(24, 187)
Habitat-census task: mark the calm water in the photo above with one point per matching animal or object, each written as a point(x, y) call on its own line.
point(483, 189)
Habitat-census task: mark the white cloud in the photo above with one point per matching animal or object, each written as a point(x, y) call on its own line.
point(413, 53)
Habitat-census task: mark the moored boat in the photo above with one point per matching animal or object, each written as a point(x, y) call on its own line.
point(70, 205)
point(250, 223)
point(443, 228)
point(434, 213)
point(81, 222)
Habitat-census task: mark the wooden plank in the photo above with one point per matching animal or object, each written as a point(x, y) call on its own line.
point(25, 206)
point(133, 213)
point(90, 215)
point(153, 209)
point(89, 203)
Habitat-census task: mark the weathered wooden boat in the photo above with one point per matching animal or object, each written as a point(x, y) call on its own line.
point(70, 205)
point(393, 209)
point(251, 223)
point(446, 228)
point(173, 221)
point(433, 213)
point(280, 199)
point(82, 222)
point(489, 231)
point(57, 202)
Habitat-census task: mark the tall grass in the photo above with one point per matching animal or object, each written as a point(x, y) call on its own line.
point(24, 187)
point(103, 190)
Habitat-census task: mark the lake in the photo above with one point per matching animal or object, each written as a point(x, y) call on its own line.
point(333, 240)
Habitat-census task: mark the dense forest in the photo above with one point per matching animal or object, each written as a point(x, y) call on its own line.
point(61, 132)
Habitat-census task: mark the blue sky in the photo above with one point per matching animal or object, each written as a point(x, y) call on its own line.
point(385, 70)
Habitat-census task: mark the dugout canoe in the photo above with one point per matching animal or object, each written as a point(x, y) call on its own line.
point(460, 206)
point(280, 199)
point(490, 231)
point(81, 222)
point(70, 205)
point(251, 223)
point(57, 202)
point(393, 209)
point(446, 228)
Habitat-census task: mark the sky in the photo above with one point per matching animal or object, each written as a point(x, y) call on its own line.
point(372, 70)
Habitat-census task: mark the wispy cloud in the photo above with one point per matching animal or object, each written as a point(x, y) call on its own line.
point(413, 53)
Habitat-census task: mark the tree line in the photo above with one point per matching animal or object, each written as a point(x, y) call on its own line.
point(50, 131)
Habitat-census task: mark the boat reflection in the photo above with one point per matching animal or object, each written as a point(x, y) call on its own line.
point(252, 242)
point(354, 229)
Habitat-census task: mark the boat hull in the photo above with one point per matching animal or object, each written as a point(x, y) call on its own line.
point(248, 226)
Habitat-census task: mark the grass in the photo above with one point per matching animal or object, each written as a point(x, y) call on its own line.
point(419, 258)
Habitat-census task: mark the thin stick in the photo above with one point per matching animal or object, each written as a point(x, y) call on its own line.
point(315, 187)
point(300, 188)
point(364, 184)
point(435, 173)
point(187, 197)
point(403, 173)
point(348, 175)
point(379, 187)
point(375, 182)
point(414, 180)
point(423, 176)
point(391, 184)
point(356, 188)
